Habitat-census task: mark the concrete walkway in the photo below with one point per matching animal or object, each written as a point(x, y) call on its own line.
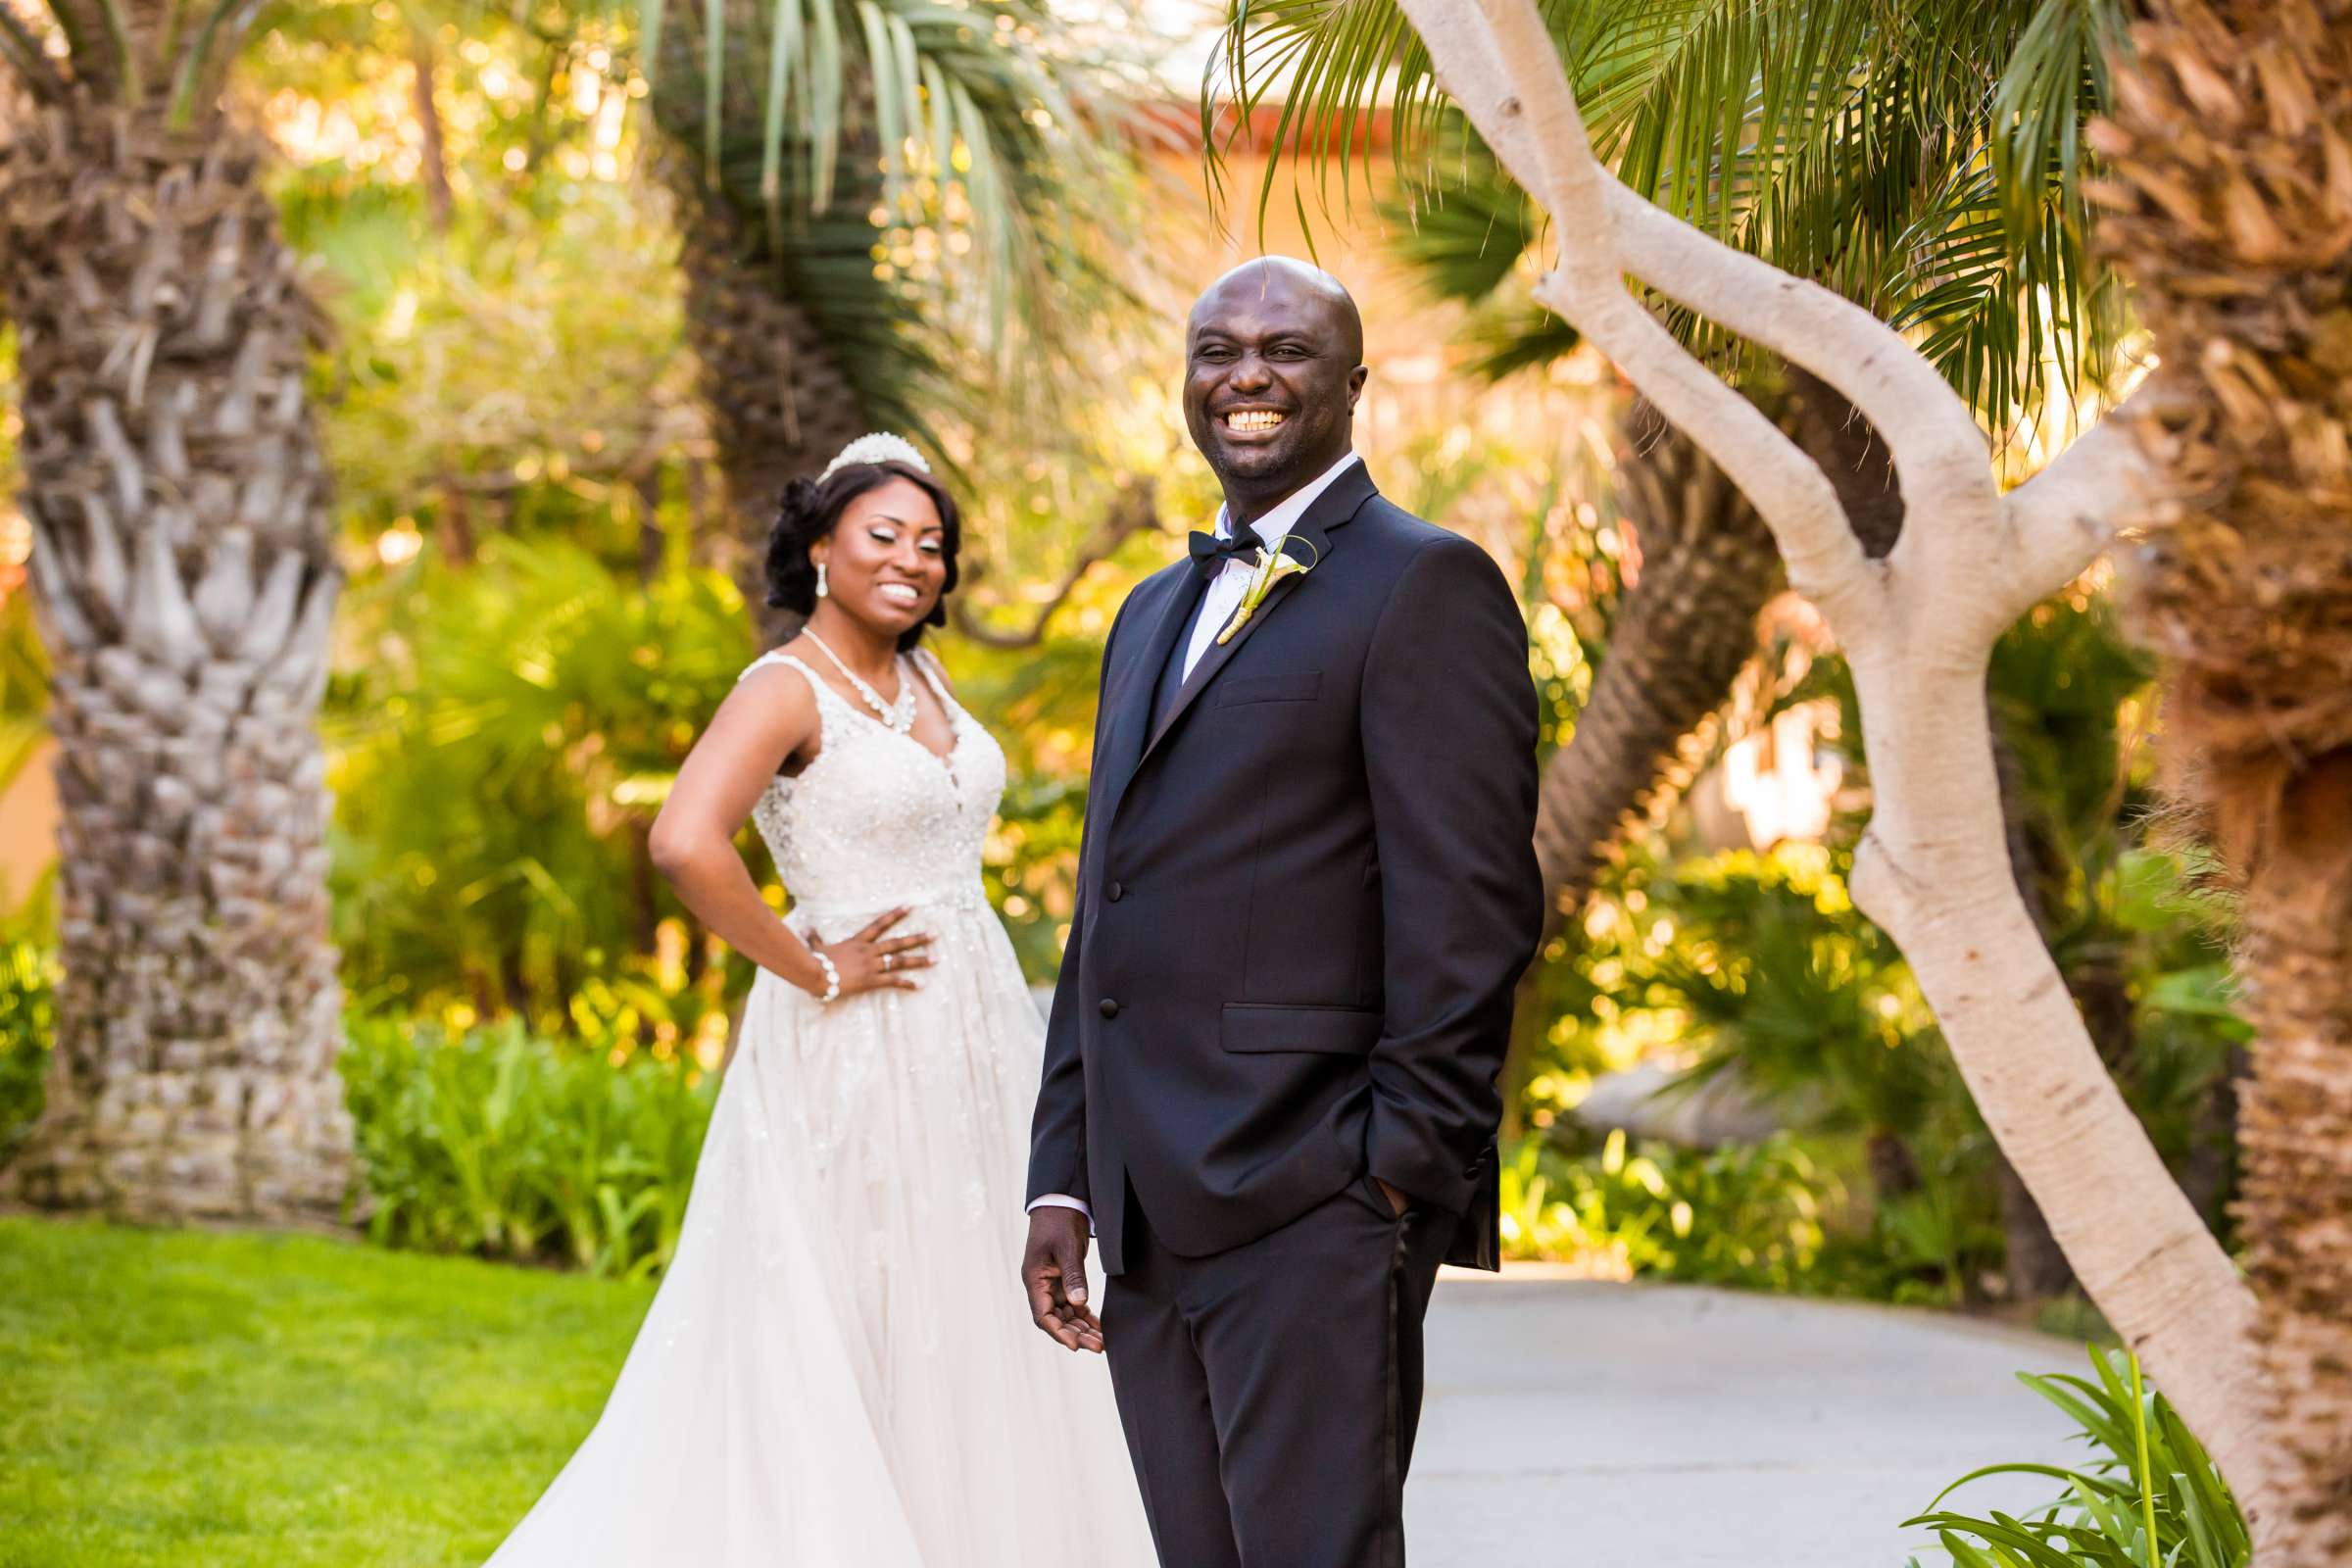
point(1581, 1425)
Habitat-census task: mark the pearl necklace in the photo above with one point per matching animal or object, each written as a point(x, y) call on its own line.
point(899, 716)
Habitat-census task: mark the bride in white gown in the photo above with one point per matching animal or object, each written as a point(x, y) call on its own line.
point(837, 1370)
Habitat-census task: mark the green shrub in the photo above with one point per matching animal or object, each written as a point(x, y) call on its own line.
point(505, 1144)
point(2148, 1496)
point(27, 1025)
point(1750, 1215)
point(497, 763)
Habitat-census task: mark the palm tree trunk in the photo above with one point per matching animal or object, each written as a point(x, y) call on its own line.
point(184, 572)
point(1708, 567)
point(1687, 629)
point(2232, 215)
point(780, 406)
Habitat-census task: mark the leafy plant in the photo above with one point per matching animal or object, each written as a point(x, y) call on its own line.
point(2148, 1498)
point(506, 1145)
point(27, 1025)
point(497, 754)
point(1750, 1215)
point(1776, 977)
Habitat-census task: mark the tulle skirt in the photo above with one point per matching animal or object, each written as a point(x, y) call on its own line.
point(839, 1367)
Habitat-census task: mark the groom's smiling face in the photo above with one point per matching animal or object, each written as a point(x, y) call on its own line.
point(1273, 366)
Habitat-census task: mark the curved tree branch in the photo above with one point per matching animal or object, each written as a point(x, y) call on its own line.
point(1521, 116)
point(1135, 510)
point(2060, 520)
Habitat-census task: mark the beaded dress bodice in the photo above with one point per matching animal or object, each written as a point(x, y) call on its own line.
point(879, 819)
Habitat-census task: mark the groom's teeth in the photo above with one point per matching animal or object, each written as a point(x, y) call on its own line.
point(1253, 419)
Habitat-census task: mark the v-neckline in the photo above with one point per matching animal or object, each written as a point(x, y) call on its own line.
point(947, 758)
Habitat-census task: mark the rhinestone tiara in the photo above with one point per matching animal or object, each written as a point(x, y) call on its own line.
point(879, 447)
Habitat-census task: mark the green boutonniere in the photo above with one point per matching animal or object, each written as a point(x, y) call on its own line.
point(1277, 565)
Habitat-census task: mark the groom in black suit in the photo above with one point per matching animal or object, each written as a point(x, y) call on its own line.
point(1306, 890)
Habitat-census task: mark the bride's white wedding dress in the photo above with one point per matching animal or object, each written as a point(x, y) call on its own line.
point(839, 1370)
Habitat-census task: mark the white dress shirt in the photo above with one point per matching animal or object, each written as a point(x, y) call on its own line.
point(1225, 590)
point(1217, 605)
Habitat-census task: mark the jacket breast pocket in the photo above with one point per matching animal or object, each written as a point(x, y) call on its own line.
point(1268, 1026)
point(1277, 686)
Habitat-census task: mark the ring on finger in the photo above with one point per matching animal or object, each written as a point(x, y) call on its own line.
point(890, 960)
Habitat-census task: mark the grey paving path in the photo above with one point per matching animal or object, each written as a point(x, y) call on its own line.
point(1573, 1424)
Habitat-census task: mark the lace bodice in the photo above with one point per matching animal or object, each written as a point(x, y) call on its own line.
point(878, 819)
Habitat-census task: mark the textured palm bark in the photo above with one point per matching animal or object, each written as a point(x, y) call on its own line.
point(1708, 567)
point(2231, 212)
point(185, 582)
point(1687, 629)
point(1918, 627)
point(780, 404)
point(2295, 1128)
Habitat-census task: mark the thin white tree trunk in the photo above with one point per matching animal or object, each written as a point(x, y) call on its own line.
point(1918, 629)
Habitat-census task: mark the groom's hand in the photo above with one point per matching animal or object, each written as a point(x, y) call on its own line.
point(1054, 1272)
point(1398, 1200)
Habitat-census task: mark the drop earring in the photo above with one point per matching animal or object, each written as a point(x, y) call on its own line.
point(821, 579)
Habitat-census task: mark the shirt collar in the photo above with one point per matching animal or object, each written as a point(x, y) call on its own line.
point(1277, 523)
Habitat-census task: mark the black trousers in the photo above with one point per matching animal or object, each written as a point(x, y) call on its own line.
point(1270, 1393)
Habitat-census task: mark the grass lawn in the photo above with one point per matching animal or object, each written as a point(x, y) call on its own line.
point(194, 1400)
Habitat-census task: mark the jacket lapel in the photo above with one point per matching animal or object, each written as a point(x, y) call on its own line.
point(1331, 509)
point(1131, 720)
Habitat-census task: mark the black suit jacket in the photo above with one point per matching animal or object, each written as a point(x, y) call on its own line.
point(1303, 896)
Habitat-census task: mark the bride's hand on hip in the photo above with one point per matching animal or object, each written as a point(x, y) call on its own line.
point(873, 959)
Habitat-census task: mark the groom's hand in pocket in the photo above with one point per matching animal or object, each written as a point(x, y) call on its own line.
point(1054, 1272)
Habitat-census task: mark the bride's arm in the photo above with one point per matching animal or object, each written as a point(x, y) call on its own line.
point(770, 717)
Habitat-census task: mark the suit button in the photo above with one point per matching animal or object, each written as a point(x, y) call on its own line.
point(1114, 891)
point(1109, 1008)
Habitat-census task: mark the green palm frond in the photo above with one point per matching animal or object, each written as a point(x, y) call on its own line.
point(1863, 144)
point(1465, 237)
point(932, 182)
point(1509, 336)
point(2057, 76)
point(177, 62)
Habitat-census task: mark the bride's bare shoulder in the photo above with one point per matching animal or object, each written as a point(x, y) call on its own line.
point(776, 697)
point(938, 667)
point(781, 668)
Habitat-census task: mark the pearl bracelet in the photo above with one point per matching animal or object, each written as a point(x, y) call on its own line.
point(832, 976)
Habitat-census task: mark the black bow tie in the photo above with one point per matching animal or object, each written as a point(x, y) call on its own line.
point(1211, 553)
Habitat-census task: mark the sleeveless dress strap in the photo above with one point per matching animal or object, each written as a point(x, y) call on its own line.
point(816, 684)
point(934, 676)
point(778, 656)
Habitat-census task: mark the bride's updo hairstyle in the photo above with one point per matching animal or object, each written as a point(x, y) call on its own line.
point(812, 509)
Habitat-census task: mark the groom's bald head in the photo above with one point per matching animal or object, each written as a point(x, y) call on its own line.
point(1274, 357)
point(1266, 277)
